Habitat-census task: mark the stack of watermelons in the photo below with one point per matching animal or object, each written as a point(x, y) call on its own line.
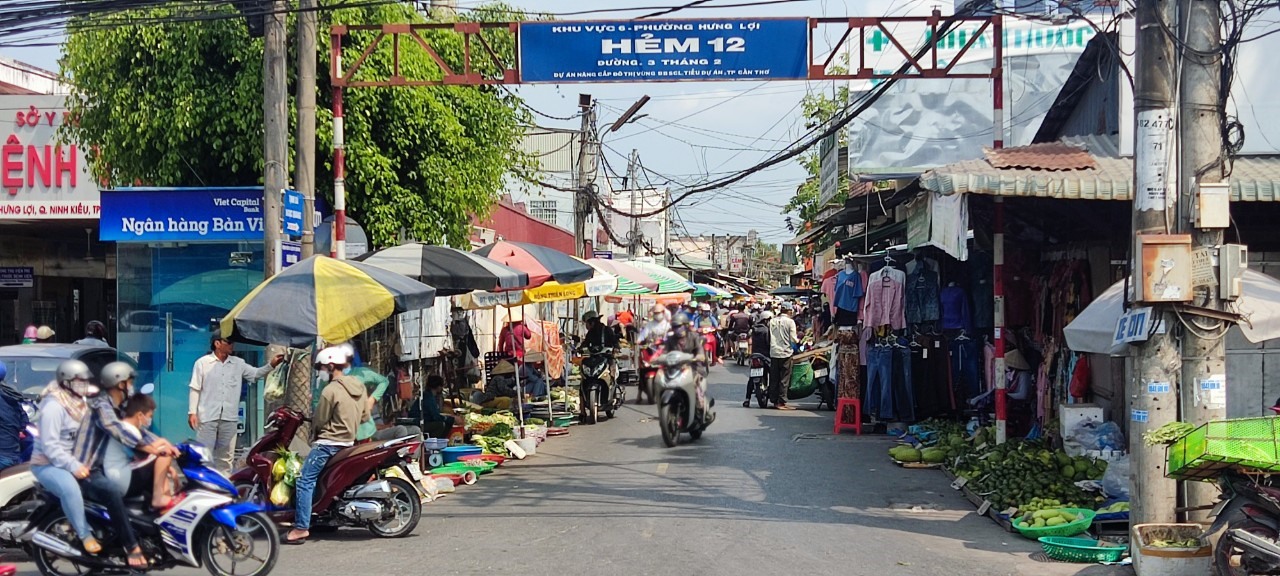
point(904, 453)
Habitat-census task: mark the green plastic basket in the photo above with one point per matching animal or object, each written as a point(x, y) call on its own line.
point(1080, 525)
point(1080, 549)
point(1245, 442)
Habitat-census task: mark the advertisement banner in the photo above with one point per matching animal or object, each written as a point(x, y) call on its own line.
point(664, 50)
point(181, 214)
point(42, 178)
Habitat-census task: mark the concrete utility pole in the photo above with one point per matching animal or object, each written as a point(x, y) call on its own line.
point(1159, 362)
point(1200, 149)
point(304, 175)
point(633, 238)
point(587, 147)
point(275, 140)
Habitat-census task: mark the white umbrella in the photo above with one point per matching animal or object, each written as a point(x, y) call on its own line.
point(1258, 306)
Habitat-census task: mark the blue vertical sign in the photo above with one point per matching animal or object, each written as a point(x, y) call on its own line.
point(293, 213)
point(290, 253)
point(665, 50)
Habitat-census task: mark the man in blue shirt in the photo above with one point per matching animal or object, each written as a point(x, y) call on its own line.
point(13, 424)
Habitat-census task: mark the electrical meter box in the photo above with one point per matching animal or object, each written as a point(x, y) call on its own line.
point(1213, 205)
point(1232, 260)
point(1164, 268)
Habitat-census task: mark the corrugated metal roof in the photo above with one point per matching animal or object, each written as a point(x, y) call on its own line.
point(1253, 178)
point(555, 150)
point(807, 236)
point(1047, 156)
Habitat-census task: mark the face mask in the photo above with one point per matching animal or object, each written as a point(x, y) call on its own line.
point(346, 370)
point(324, 375)
point(146, 421)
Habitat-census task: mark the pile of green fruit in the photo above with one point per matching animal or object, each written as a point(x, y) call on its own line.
point(904, 453)
point(1024, 474)
point(1114, 508)
point(1046, 518)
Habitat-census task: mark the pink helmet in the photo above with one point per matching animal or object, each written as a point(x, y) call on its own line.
point(30, 332)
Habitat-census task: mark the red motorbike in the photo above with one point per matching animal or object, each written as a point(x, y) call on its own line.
point(365, 486)
point(647, 371)
point(709, 343)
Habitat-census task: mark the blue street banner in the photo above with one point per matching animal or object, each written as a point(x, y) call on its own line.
point(664, 50)
point(293, 213)
point(290, 253)
point(181, 214)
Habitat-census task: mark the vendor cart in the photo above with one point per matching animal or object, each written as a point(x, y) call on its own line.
point(811, 373)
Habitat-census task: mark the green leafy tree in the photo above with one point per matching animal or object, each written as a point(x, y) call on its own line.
point(178, 103)
point(819, 108)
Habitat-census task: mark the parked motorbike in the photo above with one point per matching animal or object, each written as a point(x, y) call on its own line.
point(361, 486)
point(678, 409)
point(741, 345)
point(204, 527)
point(18, 487)
point(1247, 517)
point(600, 389)
point(821, 384)
point(648, 370)
point(758, 380)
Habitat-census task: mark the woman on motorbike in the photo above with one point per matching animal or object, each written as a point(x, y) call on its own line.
point(63, 406)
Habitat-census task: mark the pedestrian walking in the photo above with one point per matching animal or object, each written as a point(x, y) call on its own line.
point(214, 401)
point(782, 345)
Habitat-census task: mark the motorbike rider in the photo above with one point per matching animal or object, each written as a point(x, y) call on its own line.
point(653, 333)
point(97, 429)
point(685, 338)
point(13, 423)
point(63, 406)
point(739, 323)
point(598, 335)
point(375, 385)
point(759, 345)
point(344, 404)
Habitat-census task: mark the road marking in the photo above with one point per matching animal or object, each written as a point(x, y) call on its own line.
point(662, 468)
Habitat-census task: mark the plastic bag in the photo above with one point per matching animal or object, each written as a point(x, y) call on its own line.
point(1093, 435)
point(1115, 481)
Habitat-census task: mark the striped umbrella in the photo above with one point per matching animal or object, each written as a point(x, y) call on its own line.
point(668, 281)
point(539, 262)
point(625, 285)
point(451, 271)
point(626, 272)
point(325, 298)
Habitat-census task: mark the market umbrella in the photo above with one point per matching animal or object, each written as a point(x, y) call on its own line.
point(668, 281)
point(790, 291)
point(708, 291)
point(1094, 328)
point(541, 263)
point(322, 297)
point(625, 286)
point(625, 272)
point(449, 270)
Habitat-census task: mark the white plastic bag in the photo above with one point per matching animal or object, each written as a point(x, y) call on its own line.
point(1115, 481)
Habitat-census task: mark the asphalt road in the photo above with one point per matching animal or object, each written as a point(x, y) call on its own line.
point(763, 492)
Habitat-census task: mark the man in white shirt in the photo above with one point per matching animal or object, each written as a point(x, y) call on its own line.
point(213, 408)
point(782, 341)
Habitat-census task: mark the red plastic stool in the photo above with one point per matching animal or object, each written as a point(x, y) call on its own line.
point(857, 415)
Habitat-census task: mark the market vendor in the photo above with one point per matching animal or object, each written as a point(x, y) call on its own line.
point(434, 422)
point(500, 390)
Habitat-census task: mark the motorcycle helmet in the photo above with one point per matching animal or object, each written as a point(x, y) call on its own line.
point(115, 373)
point(333, 355)
point(75, 376)
point(680, 320)
point(590, 315)
point(766, 315)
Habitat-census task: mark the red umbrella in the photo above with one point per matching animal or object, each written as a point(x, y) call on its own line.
point(539, 262)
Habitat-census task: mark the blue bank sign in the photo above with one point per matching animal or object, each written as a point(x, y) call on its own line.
point(671, 50)
point(181, 214)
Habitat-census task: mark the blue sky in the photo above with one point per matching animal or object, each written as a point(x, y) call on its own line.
point(694, 130)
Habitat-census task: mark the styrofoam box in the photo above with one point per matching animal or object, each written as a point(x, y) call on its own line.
point(1148, 561)
point(1071, 414)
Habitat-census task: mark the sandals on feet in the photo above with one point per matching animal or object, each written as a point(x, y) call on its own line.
point(137, 560)
point(91, 545)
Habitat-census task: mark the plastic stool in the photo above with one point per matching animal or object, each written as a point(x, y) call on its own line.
point(857, 415)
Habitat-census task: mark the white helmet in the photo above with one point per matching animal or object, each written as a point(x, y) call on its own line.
point(332, 355)
point(348, 349)
point(704, 306)
point(767, 315)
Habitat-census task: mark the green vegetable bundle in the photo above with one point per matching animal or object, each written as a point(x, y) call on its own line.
point(491, 444)
point(1167, 434)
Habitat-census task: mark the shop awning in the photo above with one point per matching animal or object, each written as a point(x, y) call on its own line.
point(806, 237)
point(1050, 171)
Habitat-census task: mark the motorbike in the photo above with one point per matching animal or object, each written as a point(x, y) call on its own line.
point(709, 342)
point(647, 372)
point(742, 342)
point(18, 487)
point(678, 410)
point(364, 486)
point(1247, 517)
point(821, 384)
point(206, 526)
point(758, 380)
point(601, 390)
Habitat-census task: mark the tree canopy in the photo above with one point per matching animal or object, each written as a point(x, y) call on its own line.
point(177, 102)
point(819, 108)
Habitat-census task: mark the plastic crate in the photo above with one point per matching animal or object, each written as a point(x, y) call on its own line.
point(1080, 549)
point(1079, 526)
point(1245, 442)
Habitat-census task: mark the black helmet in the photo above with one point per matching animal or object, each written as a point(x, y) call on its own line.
point(680, 319)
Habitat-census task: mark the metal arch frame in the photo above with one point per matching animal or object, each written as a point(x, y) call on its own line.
point(924, 68)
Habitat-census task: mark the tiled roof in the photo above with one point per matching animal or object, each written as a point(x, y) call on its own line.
point(1047, 156)
point(1253, 178)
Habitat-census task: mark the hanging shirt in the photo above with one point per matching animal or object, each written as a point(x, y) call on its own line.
point(922, 295)
point(955, 309)
point(849, 290)
point(884, 298)
point(828, 289)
